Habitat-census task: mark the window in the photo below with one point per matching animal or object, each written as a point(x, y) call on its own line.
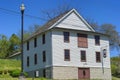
point(82, 40)
point(67, 55)
point(98, 57)
point(35, 42)
point(66, 36)
point(36, 73)
point(27, 61)
point(35, 59)
point(44, 73)
point(27, 45)
point(43, 38)
point(44, 56)
point(97, 40)
point(83, 56)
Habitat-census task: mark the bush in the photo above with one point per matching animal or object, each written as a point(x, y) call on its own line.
point(25, 74)
point(15, 73)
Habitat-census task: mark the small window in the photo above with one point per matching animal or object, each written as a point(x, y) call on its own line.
point(67, 55)
point(98, 57)
point(66, 36)
point(43, 38)
point(36, 73)
point(97, 40)
point(35, 59)
point(27, 61)
point(35, 42)
point(44, 73)
point(83, 56)
point(44, 56)
point(27, 45)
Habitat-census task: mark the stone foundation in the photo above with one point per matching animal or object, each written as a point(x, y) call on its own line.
point(64, 73)
point(97, 73)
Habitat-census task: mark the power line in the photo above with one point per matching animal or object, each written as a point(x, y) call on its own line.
point(15, 12)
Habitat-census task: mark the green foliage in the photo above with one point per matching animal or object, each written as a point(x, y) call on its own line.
point(14, 44)
point(9, 46)
point(9, 68)
point(4, 46)
point(15, 73)
point(8, 65)
point(115, 66)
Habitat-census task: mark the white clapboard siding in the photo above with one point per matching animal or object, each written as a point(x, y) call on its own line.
point(72, 21)
point(58, 47)
point(39, 49)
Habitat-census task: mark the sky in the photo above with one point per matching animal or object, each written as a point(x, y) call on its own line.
point(100, 11)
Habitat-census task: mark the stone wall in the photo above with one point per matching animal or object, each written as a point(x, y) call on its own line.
point(97, 73)
point(65, 73)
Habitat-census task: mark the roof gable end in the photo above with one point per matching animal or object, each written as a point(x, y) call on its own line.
point(73, 20)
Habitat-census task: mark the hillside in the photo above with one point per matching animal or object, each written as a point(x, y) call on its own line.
point(8, 65)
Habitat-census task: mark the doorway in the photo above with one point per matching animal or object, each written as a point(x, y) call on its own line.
point(83, 73)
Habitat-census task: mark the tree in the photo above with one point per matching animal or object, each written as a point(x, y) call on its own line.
point(29, 32)
point(114, 36)
point(14, 44)
point(4, 46)
point(115, 62)
point(110, 30)
point(50, 14)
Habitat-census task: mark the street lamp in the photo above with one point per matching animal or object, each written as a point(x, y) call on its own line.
point(22, 8)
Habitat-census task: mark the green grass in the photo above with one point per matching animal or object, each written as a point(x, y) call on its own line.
point(25, 79)
point(115, 78)
point(7, 64)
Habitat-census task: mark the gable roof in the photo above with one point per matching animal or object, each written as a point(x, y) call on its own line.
point(53, 22)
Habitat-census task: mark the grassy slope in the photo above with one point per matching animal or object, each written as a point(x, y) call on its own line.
point(7, 64)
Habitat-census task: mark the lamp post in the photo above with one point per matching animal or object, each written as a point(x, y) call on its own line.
point(22, 8)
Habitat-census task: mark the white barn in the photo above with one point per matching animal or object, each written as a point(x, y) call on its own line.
point(67, 47)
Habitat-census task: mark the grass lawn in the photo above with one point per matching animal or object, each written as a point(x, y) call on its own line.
point(114, 78)
point(25, 79)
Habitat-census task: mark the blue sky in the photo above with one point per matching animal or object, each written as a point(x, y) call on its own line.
point(101, 11)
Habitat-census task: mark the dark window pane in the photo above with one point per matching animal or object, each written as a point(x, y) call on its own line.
point(43, 38)
point(35, 59)
point(35, 42)
point(27, 61)
point(83, 56)
point(44, 73)
point(98, 57)
point(44, 56)
point(97, 40)
point(66, 36)
point(27, 45)
point(67, 55)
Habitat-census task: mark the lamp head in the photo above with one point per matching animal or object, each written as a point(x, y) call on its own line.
point(22, 7)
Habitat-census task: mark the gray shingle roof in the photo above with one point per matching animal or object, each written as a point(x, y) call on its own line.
point(46, 26)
